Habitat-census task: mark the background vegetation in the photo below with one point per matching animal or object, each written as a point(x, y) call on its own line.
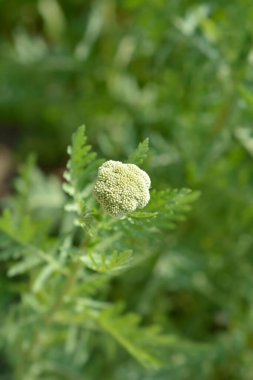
point(180, 73)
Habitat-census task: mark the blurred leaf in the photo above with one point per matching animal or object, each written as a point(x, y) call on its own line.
point(108, 263)
point(140, 154)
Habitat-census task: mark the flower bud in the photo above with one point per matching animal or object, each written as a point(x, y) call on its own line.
point(121, 188)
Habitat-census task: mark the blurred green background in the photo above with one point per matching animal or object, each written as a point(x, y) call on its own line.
point(181, 73)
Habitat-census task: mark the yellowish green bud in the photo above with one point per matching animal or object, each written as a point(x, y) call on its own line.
point(121, 188)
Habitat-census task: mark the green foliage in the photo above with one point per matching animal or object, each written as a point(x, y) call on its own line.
point(179, 73)
point(9, 247)
point(66, 279)
point(104, 262)
point(81, 163)
point(80, 158)
point(172, 205)
point(140, 154)
point(138, 341)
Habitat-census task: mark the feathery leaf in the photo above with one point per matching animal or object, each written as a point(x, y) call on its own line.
point(140, 154)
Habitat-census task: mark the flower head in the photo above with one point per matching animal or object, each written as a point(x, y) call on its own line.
point(121, 188)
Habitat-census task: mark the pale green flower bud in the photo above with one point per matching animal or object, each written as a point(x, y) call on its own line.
point(121, 188)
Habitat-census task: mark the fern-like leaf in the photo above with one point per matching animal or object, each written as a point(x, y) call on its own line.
point(140, 154)
point(108, 263)
point(91, 285)
point(141, 342)
point(81, 165)
point(166, 208)
point(172, 205)
point(80, 159)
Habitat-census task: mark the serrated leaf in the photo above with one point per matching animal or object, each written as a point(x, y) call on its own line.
point(140, 154)
point(80, 158)
point(91, 284)
point(81, 165)
point(21, 231)
point(140, 342)
point(172, 205)
point(165, 209)
point(108, 263)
